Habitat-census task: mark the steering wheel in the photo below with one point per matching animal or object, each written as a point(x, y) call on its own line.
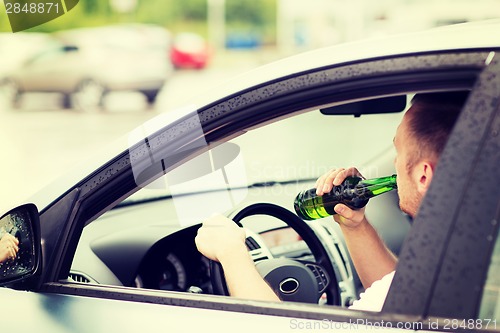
point(292, 280)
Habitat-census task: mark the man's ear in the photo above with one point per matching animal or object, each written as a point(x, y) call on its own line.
point(423, 173)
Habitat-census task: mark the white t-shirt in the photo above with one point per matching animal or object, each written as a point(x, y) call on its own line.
point(374, 297)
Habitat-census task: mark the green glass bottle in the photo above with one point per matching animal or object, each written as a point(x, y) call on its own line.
point(354, 192)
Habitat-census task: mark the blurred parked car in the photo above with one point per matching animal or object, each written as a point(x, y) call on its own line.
point(85, 64)
point(15, 49)
point(243, 40)
point(110, 246)
point(189, 50)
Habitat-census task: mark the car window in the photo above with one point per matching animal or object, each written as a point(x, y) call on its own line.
point(268, 164)
point(490, 303)
point(46, 56)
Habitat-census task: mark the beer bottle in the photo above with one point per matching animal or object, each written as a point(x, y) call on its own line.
point(354, 192)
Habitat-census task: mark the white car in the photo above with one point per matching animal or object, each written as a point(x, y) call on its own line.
point(110, 247)
point(85, 64)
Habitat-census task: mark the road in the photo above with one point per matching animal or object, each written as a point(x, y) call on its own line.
point(40, 141)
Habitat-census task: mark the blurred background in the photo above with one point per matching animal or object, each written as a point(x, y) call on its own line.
point(75, 84)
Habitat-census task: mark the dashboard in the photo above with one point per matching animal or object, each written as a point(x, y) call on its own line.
point(145, 246)
point(174, 264)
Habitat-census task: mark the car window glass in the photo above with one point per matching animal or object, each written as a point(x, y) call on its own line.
point(310, 144)
point(304, 147)
point(47, 55)
point(490, 303)
point(271, 164)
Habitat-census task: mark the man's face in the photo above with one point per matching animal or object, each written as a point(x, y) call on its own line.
point(409, 197)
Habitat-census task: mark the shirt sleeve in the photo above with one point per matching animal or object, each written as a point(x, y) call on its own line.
point(374, 297)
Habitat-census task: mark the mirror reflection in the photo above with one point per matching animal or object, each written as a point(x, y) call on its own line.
point(17, 251)
point(9, 243)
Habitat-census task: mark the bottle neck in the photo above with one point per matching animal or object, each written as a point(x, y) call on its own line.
point(370, 188)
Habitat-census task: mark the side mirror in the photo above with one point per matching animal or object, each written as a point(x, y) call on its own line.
point(23, 224)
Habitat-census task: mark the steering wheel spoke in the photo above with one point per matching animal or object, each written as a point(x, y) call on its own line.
point(320, 275)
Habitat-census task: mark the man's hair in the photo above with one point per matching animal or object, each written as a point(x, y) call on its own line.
point(432, 117)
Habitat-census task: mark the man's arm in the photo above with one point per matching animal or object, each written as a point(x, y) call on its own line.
point(243, 280)
point(371, 257)
point(220, 239)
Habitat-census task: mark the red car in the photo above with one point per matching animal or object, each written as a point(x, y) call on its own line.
point(189, 50)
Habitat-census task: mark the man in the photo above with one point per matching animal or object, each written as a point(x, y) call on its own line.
point(419, 141)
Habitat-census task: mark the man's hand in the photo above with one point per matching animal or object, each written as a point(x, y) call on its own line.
point(219, 238)
point(371, 258)
point(350, 218)
point(9, 246)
